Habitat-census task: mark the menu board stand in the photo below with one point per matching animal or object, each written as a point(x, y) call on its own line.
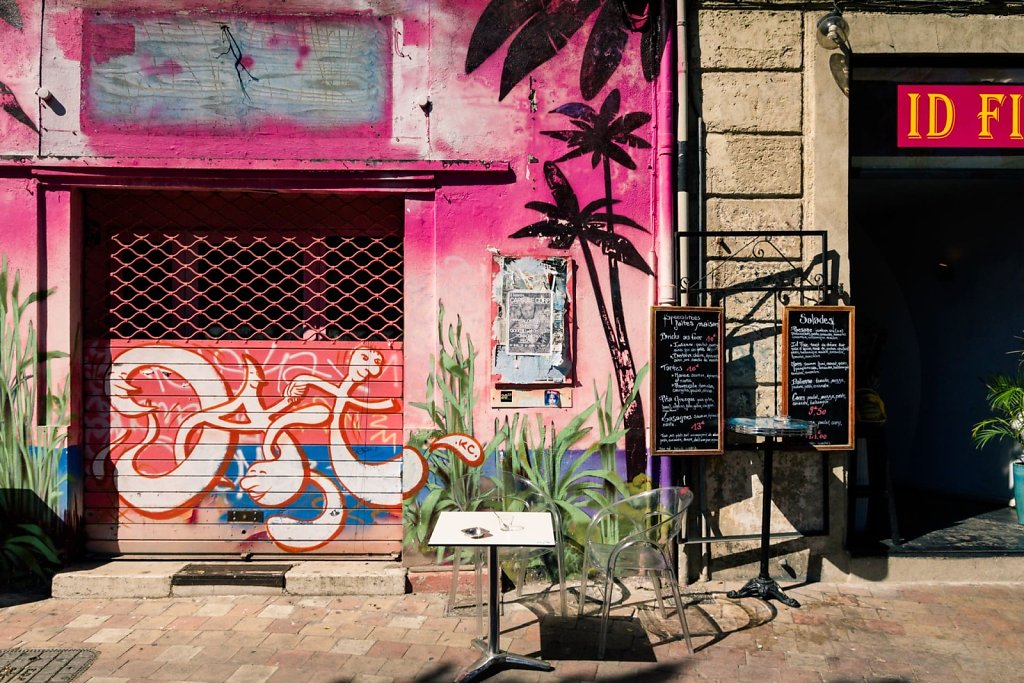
point(686, 385)
point(818, 372)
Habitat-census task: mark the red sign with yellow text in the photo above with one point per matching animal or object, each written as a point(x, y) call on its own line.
point(976, 116)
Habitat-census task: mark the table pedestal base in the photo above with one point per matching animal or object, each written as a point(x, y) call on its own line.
point(493, 659)
point(492, 662)
point(764, 588)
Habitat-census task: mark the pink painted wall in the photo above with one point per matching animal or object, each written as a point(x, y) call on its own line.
point(119, 72)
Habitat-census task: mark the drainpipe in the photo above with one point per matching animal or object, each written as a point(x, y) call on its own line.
point(663, 260)
point(669, 201)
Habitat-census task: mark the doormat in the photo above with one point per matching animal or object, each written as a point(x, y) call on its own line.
point(211, 574)
point(44, 666)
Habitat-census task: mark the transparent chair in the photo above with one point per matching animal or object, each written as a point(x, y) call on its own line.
point(507, 493)
point(522, 494)
point(633, 536)
point(470, 493)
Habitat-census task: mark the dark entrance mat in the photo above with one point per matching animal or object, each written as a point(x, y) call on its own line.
point(212, 574)
point(43, 666)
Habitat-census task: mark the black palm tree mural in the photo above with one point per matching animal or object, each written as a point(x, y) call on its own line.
point(565, 223)
point(543, 27)
point(604, 135)
point(10, 13)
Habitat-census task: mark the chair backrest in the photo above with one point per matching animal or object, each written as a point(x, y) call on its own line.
point(658, 515)
point(521, 493)
point(474, 492)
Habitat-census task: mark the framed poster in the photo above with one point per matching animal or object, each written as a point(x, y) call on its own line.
point(531, 301)
point(686, 384)
point(818, 372)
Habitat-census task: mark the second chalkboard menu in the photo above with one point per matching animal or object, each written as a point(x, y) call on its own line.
point(686, 385)
point(818, 370)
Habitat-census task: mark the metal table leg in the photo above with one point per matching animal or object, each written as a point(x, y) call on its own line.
point(493, 658)
point(764, 586)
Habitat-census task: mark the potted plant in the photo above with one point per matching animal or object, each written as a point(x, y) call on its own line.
point(1005, 396)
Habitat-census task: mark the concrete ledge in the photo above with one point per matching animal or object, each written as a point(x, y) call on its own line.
point(914, 569)
point(119, 579)
point(345, 578)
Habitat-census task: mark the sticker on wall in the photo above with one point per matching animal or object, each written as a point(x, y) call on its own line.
point(531, 303)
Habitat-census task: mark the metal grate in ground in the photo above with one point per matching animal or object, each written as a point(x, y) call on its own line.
point(43, 666)
point(212, 574)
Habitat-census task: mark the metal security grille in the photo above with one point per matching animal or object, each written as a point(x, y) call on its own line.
point(242, 266)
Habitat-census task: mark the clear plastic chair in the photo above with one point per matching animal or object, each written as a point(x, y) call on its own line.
point(470, 493)
point(507, 493)
point(522, 494)
point(634, 536)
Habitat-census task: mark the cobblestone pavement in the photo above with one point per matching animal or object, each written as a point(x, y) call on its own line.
point(847, 632)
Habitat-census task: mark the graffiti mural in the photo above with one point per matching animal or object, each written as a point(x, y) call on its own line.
point(311, 435)
point(542, 29)
point(603, 135)
point(231, 72)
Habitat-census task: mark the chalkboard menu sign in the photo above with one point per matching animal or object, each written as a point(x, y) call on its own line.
point(817, 372)
point(686, 386)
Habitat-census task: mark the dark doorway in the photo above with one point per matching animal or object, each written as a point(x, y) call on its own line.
point(937, 280)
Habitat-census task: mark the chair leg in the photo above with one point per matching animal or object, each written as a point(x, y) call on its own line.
point(453, 591)
point(560, 558)
point(679, 609)
point(478, 562)
point(656, 583)
point(584, 580)
point(605, 610)
point(524, 562)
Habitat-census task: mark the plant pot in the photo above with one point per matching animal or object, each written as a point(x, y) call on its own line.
point(1018, 489)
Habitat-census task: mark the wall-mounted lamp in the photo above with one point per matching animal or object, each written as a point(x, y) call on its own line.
point(834, 32)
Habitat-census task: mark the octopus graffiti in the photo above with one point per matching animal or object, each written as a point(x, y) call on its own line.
point(189, 434)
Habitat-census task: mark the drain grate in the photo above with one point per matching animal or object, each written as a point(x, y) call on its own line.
point(271, 575)
point(43, 666)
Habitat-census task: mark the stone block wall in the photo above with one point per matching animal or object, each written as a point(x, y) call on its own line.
point(750, 70)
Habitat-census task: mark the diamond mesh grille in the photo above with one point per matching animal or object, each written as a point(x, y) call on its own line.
point(243, 266)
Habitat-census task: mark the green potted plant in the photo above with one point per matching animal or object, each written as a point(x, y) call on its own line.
point(1005, 396)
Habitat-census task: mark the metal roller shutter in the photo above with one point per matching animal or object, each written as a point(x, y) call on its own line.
point(243, 373)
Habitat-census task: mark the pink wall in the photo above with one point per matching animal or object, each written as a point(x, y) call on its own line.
point(220, 90)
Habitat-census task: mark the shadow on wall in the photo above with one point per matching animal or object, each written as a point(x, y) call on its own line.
point(754, 277)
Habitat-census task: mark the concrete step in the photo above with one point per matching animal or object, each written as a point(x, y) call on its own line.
point(160, 579)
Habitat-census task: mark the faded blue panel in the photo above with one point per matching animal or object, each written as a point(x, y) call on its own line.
point(235, 71)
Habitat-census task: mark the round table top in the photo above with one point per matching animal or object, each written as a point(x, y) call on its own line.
point(771, 426)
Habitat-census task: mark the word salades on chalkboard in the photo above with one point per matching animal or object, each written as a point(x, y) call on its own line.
point(686, 386)
point(818, 372)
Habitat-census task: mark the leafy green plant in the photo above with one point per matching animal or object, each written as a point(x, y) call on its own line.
point(27, 548)
point(1005, 396)
point(610, 431)
point(547, 458)
point(449, 402)
point(30, 455)
point(554, 460)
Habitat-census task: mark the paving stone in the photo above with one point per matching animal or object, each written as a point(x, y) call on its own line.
point(251, 673)
point(875, 633)
point(109, 635)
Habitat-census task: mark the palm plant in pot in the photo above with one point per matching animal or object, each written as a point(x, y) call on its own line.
point(1005, 396)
